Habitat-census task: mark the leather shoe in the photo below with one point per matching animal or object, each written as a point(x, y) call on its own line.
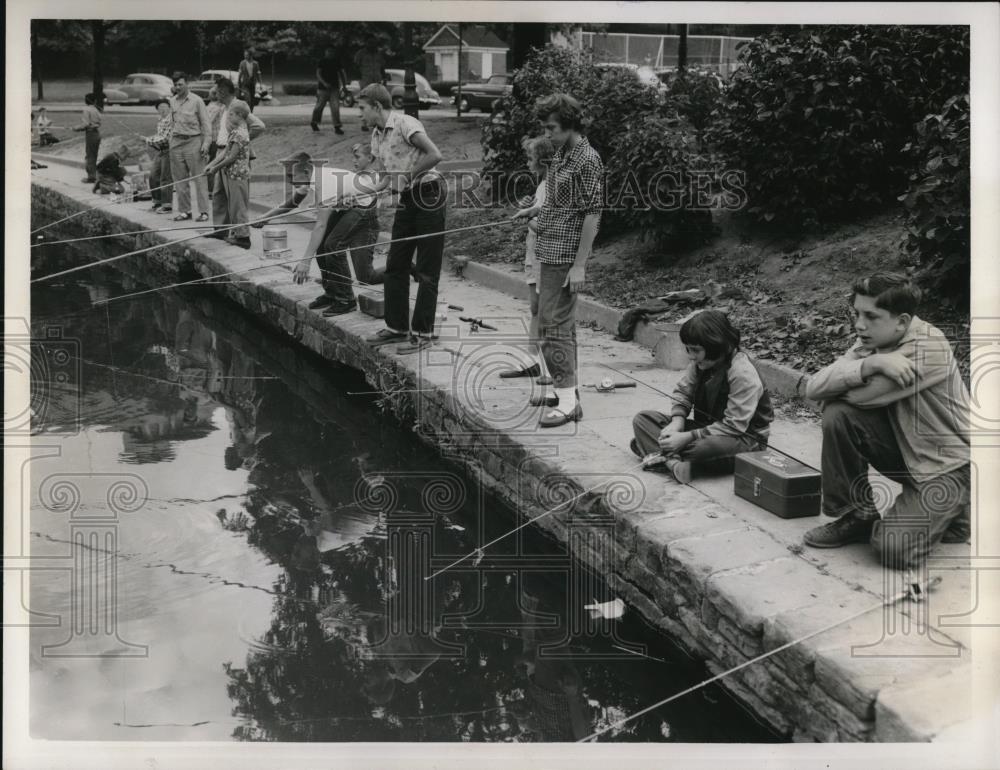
point(532, 371)
point(555, 418)
point(549, 399)
point(320, 302)
point(843, 531)
point(338, 309)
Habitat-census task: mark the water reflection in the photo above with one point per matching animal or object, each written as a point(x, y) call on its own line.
point(281, 502)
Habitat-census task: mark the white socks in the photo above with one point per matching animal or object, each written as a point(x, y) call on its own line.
point(567, 399)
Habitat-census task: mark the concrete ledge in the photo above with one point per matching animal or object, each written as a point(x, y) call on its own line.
point(662, 338)
point(718, 580)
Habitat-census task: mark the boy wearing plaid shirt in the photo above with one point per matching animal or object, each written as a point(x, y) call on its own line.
point(160, 180)
point(567, 226)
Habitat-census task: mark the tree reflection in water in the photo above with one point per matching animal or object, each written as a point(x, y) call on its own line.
point(163, 368)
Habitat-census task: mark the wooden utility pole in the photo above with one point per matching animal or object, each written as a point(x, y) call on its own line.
point(458, 97)
point(682, 50)
point(411, 102)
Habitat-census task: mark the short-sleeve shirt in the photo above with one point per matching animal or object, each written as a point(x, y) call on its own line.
point(330, 70)
point(91, 116)
point(240, 168)
point(190, 117)
point(393, 146)
point(575, 189)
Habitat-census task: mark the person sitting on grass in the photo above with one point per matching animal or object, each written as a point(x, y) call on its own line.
point(539, 151)
point(234, 165)
point(111, 173)
point(346, 218)
point(720, 405)
point(895, 401)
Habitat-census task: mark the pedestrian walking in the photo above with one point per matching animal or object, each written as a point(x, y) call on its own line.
point(190, 139)
point(248, 78)
point(91, 126)
point(330, 78)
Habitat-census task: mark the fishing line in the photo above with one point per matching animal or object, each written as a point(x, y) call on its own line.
point(908, 593)
point(271, 263)
point(479, 551)
point(746, 433)
point(108, 260)
point(143, 232)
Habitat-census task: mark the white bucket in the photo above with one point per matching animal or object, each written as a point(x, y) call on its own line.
point(275, 239)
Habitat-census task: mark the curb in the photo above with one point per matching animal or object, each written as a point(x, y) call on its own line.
point(662, 338)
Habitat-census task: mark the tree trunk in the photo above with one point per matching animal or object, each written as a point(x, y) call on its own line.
point(97, 30)
point(526, 37)
point(682, 50)
point(36, 66)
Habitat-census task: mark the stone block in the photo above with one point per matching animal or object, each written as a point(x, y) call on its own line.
point(922, 709)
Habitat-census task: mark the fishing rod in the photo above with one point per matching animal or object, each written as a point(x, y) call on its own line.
point(915, 591)
point(143, 232)
point(146, 249)
point(280, 263)
point(746, 433)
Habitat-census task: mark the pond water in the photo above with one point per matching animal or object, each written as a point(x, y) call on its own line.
point(236, 547)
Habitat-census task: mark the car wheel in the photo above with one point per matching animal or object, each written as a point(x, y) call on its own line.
point(397, 102)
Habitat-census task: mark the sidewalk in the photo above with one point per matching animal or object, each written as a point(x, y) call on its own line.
point(722, 577)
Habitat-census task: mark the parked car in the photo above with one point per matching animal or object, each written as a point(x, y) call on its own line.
point(349, 94)
point(483, 93)
point(645, 75)
point(428, 96)
point(139, 88)
point(207, 79)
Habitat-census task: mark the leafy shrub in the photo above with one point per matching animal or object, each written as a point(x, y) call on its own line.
point(636, 133)
point(695, 94)
point(818, 118)
point(299, 89)
point(937, 200)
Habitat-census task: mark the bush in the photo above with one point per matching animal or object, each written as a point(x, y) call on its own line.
point(695, 94)
point(937, 200)
point(818, 118)
point(299, 89)
point(634, 131)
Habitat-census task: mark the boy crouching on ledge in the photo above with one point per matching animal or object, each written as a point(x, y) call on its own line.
point(897, 402)
point(720, 406)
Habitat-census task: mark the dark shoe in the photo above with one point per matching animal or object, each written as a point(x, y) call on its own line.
point(958, 531)
point(338, 309)
point(338, 130)
point(655, 461)
point(532, 371)
point(385, 336)
point(544, 380)
point(219, 235)
point(843, 531)
point(243, 243)
point(314, 127)
point(320, 302)
point(165, 210)
point(182, 217)
point(556, 417)
point(634, 446)
point(88, 180)
point(202, 217)
point(415, 345)
point(549, 399)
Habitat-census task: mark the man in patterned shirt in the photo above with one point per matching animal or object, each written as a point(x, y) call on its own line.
point(567, 226)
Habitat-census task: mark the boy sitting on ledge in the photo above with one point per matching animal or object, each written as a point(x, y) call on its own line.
point(895, 401)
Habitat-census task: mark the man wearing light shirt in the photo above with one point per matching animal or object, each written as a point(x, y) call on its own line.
point(220, 195)
point(189, 142)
